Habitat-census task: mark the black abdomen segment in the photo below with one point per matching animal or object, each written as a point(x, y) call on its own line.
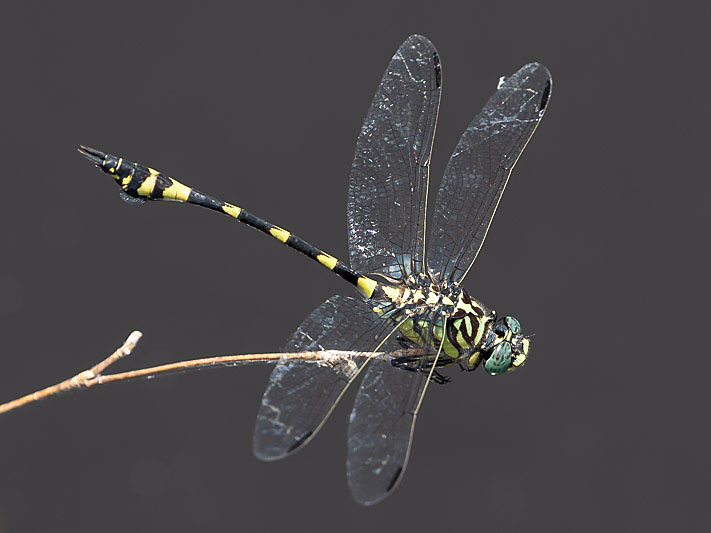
point(144, 183)
point(280, 234)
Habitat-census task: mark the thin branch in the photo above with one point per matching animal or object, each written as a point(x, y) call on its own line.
point(93, 376)
point(79, 381)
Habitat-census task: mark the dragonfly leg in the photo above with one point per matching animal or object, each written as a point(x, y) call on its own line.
point(414, 363)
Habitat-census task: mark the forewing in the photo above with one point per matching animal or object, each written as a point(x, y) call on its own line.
point(390, 171)
point(300, 395)
point(381, 428)
point(479, 168)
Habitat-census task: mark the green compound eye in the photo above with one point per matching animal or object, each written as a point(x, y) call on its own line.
point(500, 359)
point(513, 325)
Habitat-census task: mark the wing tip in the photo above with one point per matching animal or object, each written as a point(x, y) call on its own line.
point(424, 49)
point(417, 38)
point(541, 70)
point(266, 457)
point(274, 451)
point(420, 41)
point(546, 95)
point(264, 451)
point(532, 76)
point(367, 498)
point(537, 70)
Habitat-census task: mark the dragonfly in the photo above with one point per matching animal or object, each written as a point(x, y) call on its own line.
point(409, 281)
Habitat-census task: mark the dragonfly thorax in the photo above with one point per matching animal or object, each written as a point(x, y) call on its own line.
point(432, 314)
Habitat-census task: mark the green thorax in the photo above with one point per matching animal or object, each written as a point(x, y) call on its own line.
point(422, 308)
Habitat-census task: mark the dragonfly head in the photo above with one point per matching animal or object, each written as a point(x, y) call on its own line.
point(505, 348)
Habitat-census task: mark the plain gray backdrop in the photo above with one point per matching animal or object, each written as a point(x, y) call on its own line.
point(599, 247)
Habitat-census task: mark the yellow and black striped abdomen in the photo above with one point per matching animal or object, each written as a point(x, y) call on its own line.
point(143, 183)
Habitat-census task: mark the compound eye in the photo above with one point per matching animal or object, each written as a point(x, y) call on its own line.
point(514, 325)
point(500, 359)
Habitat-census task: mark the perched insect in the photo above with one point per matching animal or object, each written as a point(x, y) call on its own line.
point(411, 292)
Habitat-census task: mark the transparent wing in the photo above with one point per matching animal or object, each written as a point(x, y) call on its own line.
point(300, 396)
point(479, 168)
point(390, 172)
point(381, 428)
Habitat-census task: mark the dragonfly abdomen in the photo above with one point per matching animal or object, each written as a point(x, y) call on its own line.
point(141, 183)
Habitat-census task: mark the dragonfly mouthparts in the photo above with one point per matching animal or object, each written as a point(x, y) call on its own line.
point(95, 156)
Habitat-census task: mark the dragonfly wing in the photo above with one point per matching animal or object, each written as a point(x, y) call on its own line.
point(390, 171)
point(381, 428)
point(301, 395)
point(479, 168)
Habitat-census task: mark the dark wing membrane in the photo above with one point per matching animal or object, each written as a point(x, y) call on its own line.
point(390, 172)
point(381, 428)
point(301, 395)
point(479, 168)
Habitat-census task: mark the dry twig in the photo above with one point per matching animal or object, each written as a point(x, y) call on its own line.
point(93, 376)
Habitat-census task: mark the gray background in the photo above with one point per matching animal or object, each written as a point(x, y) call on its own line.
point(599, 247)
